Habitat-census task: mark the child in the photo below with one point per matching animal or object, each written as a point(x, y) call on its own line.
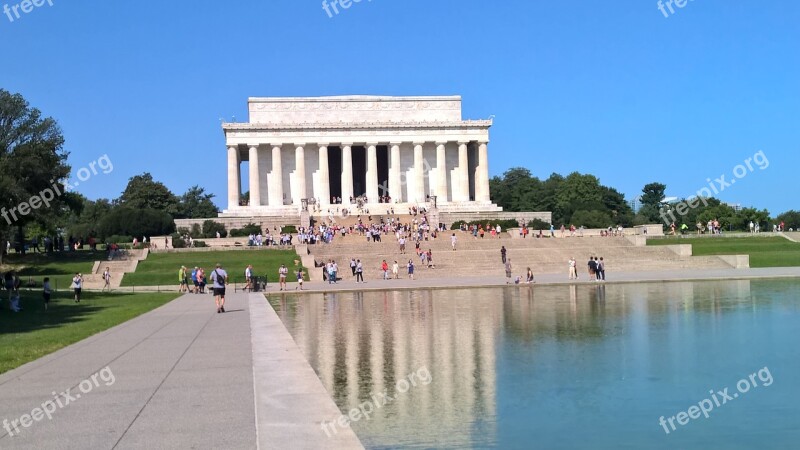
point(299, 279)
point(46, 292)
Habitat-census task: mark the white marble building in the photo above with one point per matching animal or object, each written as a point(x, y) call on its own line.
point(406, 148)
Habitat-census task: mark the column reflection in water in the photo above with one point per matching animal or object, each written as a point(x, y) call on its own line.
point(362, 344)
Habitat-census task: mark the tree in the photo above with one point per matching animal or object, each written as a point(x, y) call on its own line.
point(33, 166)
point(653, 194)
point(143, 192)
point(790, 218)
point(196, 204)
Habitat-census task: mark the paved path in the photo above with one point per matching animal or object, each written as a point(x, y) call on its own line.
point(180, 376)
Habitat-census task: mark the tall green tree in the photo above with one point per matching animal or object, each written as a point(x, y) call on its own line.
point(32, 160)
point(196, 204)
point(142, 192)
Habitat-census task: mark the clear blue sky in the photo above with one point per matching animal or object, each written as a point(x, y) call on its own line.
point(609, 88)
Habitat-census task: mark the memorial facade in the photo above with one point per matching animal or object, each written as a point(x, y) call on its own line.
point(380, 151)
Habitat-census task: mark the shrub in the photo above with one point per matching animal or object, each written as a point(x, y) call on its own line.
point(291, 229)
point(195, 232)
point(538, 224)
point(117, 239)
point(247, 230)
point(210, 229)
point(200, 244)
point(177, 241)
point(124, 221)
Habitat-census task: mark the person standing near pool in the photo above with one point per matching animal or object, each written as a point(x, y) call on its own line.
point(219, 277)
point(282, 272)
point(508, 270)
point(410, 269)
point(395, 269)
point(299, 279)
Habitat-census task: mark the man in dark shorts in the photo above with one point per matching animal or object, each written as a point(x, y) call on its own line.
point(219, 277)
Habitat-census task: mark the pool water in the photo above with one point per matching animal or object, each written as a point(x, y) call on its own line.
point(560, 367)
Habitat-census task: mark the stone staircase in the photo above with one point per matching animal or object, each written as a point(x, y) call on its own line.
point(481, 257)
point(118, 267)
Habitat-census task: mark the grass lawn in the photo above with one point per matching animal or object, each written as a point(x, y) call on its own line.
point(764, 252)
point(60, 267)
point(162, 268)
point(34, 332)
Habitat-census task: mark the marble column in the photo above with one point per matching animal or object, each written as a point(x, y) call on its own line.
point(234, 177)
point(347, 173)
point(299, 174)
point(441, 170)
point(463, 173)
point(324, 193)
point(419, 174)
point(395, 186)
point(276, 187)
point(482, 193)
point(255, 177)
point(372, 173)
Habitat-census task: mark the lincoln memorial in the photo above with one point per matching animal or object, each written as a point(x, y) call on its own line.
point(382, 151)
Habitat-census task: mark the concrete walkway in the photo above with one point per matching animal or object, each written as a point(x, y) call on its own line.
point(180, 376)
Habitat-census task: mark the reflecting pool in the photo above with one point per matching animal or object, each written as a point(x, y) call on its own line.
point(560, 367)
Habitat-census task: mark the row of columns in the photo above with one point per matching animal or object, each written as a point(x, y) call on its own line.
point(460, 189)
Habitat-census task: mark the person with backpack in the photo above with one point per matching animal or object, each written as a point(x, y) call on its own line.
point(219, 277)
point(77, 284)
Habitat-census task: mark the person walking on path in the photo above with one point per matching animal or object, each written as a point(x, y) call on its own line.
point(508, 270)
point(573, 269)
point(503, 254)
point(385, 269)
point(282, 273)
point(106, 280)
point(359, 272)
point(46, 291)
point(453, 241)
point(410, 267)
point(196, 285)
point(77, 285)
point(430, 259)
point(300, 275)
point(248, 276)
point(395, 269)
point(182, 279)
point(219, 277)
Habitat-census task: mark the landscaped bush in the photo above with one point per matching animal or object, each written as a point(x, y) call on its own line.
point(124, 221)
point(211, 228)
point(291, 229)
point(538, 224)
point(247, 230)
point(177, 241)
point(117, 239)
point(196, 231)
point(505, 224)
